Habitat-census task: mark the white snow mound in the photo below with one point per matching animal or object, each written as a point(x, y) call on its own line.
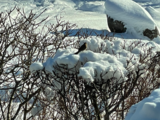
point(147, 109)
point(36, 66)
point(135, 18)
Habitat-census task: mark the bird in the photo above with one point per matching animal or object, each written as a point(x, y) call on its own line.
point(83, 47)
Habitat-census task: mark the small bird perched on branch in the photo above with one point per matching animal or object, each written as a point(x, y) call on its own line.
point(83, 47)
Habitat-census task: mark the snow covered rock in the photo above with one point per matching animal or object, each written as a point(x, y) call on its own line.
point(130, 17)
point(151, 33)
point(115, 25)
point(147, 109)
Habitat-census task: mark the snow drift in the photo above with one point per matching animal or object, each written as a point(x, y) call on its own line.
point(135, 18)
point(147, 109)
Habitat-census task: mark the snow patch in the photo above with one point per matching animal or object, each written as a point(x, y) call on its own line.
point(36, 66)
point(147, 109)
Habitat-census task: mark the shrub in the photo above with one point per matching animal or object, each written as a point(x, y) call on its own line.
point(62, 94)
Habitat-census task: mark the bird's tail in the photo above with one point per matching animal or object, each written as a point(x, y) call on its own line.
point(77, 52)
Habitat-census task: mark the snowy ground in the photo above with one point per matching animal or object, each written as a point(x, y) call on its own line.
point(91, 15)
point(147, 109)
point(86, 14)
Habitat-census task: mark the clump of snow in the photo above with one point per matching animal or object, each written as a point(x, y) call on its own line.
point(147, 109)
point(49, 65)
point(36, 66)
point(108, 69)
point(136, 19)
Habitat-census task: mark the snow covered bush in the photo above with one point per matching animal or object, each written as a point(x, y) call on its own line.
point(23, 42)
point(92, 83)
point(41, 77)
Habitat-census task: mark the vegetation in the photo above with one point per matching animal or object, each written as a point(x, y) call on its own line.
point(23, 41)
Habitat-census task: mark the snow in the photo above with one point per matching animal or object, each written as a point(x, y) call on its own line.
point(155, 14)
point(98, 61)
point(136, 19)
point(90, 69)
point(102, 56)
point(92, 6)
point(153, 1)
point(90, 61)
point(36, 66)
point(147, 109)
